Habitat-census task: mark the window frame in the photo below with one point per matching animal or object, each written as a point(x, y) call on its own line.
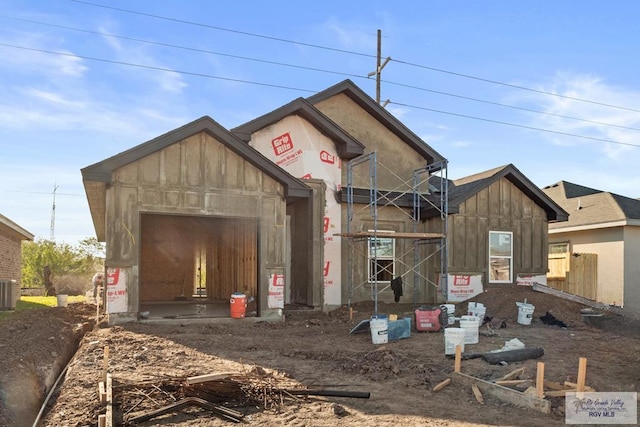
point(555, 254)
point(500, 256)
point(378, 257)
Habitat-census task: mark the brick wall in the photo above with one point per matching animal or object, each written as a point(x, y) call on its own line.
point(10, 254)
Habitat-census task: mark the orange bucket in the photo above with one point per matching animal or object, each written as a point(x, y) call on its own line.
point(238, 305)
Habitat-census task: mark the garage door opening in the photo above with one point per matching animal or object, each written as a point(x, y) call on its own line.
point(190, 265)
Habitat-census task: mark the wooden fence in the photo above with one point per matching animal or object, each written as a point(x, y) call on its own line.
point(574, 273)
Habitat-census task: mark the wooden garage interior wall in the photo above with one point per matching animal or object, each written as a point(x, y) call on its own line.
point(174, 247)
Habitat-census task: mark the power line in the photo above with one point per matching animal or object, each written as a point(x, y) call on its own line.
point(515, 125)
point(603, 104)
point(412, 64)
point(41, 192)
point(152, 67)
point(213, 27)
point(192, 49)
point(188, 48)
point(515, 107)
point(305, 90)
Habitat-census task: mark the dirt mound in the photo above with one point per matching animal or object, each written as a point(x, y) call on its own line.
point(313, 349)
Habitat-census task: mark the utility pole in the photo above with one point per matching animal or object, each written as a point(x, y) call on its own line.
point(53, 212)
point(379, 66)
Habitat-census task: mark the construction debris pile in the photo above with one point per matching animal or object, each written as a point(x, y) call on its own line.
point(228, 395)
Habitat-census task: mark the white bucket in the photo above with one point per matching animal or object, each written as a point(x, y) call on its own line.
point(477, 309)
point(62, 300)
point(452, 338)
point(451, 313)
point(379, 326)
point(525, 313)
point(470, 324)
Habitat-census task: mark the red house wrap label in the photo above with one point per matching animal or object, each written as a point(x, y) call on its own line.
point(327, 157)
point(461, 280)
point(282, 144)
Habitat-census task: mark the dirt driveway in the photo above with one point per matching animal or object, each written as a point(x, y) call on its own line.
point(312, 349)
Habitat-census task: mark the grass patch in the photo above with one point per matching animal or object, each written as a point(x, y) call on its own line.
point(37, 303)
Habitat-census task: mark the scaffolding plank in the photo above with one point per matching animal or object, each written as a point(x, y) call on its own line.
point(391, 235)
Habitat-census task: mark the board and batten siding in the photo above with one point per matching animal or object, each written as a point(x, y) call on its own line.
point(197, 176)
point(499, 207)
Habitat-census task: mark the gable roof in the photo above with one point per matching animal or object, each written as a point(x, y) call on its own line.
point(357, 95)
point(96, 177)
point(463, 188)
point(347, 146)
point(15, 229)
point(593, 208)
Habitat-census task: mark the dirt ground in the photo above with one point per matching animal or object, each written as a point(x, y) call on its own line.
point(308, 350)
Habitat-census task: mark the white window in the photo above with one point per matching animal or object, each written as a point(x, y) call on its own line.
point(500, 257)
point(558, 250)
point(381, 266)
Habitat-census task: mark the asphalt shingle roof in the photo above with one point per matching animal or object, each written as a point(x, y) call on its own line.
point(588, 206)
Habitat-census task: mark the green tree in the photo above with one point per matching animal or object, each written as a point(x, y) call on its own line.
point(62, 259)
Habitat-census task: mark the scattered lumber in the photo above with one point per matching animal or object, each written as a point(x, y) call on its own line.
point(512, 375)
point(575, 385)
point(511, 382)
point(576, 298)
point(209, 377)
point(221, 411)
point(441, 385)
point(329, 393)
point(477, 394)
point(220, 394)
point(505, 394)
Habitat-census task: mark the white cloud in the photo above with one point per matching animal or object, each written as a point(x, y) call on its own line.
point(397, 111)
point(29, 56)
point(350, 36)
point(596, 116)
point(461, 144)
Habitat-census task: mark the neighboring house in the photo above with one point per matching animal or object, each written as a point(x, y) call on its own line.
point(607, 225)
point(497, 229)
point(11, 237)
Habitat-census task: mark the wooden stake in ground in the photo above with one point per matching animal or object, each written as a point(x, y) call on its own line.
point(582, 374)
point(456, 366)
point(540, 380)
point(105, 363)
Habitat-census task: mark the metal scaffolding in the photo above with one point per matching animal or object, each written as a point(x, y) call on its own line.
point(428, 192)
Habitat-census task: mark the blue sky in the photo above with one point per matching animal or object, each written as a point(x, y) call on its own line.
point(457, 69)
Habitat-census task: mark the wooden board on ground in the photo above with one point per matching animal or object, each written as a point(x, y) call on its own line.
point(209, 377)
point(504, 393)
